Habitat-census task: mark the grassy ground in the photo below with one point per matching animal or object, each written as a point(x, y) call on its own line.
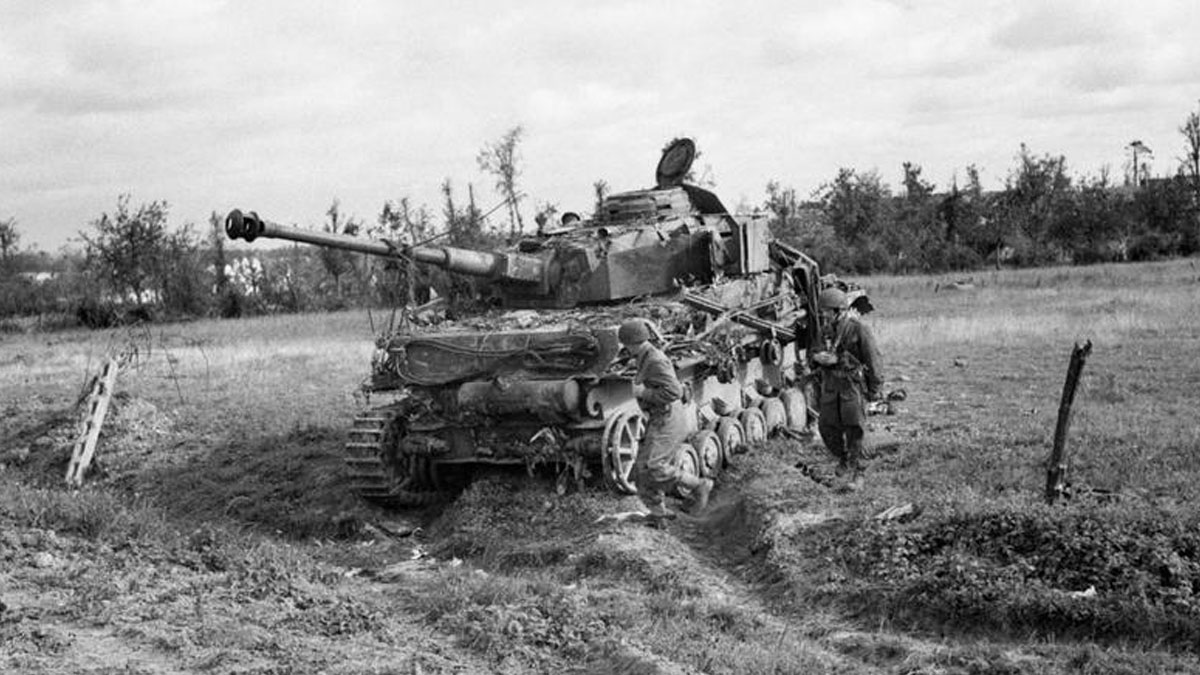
point(218, 535)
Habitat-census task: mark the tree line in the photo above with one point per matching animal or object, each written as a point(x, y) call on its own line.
point(855, 223)
point(133, 266)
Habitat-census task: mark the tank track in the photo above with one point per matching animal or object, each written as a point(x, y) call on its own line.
point(375, 471)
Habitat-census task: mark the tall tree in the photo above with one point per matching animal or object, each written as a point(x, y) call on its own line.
point(9, 238)
point(969, 220)
point(858, 208)
point(1165, 216)
point(502, 160)
point(783, 205)
point(1037, 194)
point(781, 201)
point(915, 237)
point(217, 251)
point(1191, 164)
point(402, 282)
point(127, 250)
point(1191, 137)
point(338, 262)
point(856, 204)
point(400, 223)
point(546, 216)
point(601, 190)
point(184, 287)
point(1098, 227)
point(1139, 168)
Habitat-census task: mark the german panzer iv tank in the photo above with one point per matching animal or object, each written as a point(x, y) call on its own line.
point(540, 377)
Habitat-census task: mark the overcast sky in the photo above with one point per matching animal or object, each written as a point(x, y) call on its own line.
point(281, 107)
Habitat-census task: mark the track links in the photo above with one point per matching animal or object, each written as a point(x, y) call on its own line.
point(372, 476)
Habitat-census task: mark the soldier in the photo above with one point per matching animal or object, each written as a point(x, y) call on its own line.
point(848, 366)
point(658, 392)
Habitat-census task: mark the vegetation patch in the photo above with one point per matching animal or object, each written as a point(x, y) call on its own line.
point(1088, 573)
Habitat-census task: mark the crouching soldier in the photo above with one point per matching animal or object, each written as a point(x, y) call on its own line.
point(848, 366)
point(658, 392)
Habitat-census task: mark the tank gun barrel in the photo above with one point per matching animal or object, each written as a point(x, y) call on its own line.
point(499, 266)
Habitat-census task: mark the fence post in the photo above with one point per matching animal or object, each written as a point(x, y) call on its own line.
point(1056, 468)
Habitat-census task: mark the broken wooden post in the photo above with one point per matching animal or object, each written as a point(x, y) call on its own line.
point(1056, 468)
point(90, 421)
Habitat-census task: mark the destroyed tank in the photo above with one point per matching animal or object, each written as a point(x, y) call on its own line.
point(538, 377)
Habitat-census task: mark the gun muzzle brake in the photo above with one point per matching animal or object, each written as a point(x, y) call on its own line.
point(240, 225)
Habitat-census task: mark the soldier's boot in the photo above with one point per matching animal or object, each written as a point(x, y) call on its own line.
point(855, 452)
point(700, 495)
point(843, 467)
point(658, 511)
point(854, 462)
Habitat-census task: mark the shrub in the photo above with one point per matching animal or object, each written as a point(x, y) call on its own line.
point(93, 313)
point(1153, 246)
point(1111, 575)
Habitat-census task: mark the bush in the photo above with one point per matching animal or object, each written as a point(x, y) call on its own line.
point(1153, 246)
point(230, 304)
point(93, 313)
point(952, 257)
point(1112, 575)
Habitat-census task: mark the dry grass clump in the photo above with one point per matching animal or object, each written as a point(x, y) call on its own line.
point(95, 515)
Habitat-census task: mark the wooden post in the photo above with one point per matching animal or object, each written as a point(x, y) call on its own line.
point(1056, 468)
point(90, 422)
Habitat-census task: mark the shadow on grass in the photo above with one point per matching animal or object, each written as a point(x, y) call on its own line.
point(293, 485)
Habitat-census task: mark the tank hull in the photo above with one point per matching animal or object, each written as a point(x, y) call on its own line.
point(553, 388)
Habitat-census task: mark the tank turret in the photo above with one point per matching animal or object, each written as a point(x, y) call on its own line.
point(640, 243)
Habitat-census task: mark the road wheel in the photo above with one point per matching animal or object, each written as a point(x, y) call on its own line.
point(689, 464)
point(796, 408)
point(712, 453)
point(732, 436)
point(754, 426)
point(774, 414)
point(619, 447)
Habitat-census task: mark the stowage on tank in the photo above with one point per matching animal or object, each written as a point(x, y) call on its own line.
point(538, 376)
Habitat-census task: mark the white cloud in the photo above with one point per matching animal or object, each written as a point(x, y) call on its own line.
point(283, 106)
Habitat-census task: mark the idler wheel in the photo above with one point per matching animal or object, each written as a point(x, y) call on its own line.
point(619, 449)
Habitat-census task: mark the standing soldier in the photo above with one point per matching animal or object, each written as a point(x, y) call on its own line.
point(658, 392)
point(848, 365)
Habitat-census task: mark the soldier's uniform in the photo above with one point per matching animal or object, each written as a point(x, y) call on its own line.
point(656, 470)
point(845, 388)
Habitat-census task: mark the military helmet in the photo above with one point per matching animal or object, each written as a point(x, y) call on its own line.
point(832, 298)
point(633, 332)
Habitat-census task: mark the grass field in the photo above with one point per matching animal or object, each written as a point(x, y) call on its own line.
point(218, 535)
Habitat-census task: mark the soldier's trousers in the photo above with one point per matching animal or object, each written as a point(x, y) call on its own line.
point(843, 413)
point(656, 469)
point(844, 442)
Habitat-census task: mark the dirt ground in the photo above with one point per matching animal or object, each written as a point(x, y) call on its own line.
point(217, 534)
